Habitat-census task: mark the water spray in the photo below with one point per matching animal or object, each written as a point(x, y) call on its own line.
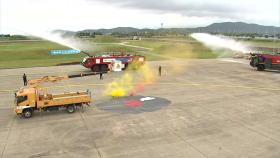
point(69, 41)
point(220, 42)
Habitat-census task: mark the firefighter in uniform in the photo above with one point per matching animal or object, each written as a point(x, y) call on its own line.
point(24, 78)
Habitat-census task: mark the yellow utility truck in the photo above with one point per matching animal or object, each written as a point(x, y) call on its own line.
point(34, 97)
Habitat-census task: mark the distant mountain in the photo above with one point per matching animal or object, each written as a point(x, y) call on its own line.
point(237, 27)
point(225, 27)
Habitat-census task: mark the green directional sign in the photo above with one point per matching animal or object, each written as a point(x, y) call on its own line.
point(63, 52)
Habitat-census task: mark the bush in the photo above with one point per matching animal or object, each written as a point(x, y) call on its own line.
point(18, 37)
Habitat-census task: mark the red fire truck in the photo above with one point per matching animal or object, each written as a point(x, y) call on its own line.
point(102, 63)
point(265, 61)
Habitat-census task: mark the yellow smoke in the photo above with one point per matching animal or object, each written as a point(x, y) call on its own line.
point(132, 82)
point(120, 87)
point(147, 76)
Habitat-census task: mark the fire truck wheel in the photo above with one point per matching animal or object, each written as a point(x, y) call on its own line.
point(104, 68)
point(95, 68)
point(27, 113)
point(70, 108)
point(125, 67)
point(260, 67)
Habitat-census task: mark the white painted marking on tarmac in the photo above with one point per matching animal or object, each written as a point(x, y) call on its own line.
point(147, 99)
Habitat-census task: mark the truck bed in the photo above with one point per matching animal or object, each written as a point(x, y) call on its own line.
point(65, 99)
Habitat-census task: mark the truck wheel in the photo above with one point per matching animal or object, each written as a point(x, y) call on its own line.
point(104, 68)
point(260, 67)
point(125, 67)
point(70, 108)
point(27, 113)
point(95, 68)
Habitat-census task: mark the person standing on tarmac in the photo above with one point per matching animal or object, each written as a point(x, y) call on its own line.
point(24, 78)
point(101, 76)
point(159, 70)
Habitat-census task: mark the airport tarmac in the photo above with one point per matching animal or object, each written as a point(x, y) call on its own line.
point(203, 109)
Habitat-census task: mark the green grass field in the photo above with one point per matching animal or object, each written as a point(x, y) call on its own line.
point(29, 54)
point(36, 53)
point(162, 50)
point(262, 43)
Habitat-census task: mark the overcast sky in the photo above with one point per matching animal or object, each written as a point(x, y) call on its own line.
point(19, 16)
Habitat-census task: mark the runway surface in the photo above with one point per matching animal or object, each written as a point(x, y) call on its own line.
point(197, 109)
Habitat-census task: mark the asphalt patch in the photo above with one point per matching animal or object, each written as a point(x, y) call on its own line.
point(133, 104)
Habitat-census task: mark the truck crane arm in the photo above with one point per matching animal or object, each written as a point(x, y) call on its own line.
point(37, 82)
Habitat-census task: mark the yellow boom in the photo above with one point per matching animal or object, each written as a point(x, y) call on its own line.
point(37, 82)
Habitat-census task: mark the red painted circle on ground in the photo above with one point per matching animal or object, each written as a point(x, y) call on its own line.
point(133, 103)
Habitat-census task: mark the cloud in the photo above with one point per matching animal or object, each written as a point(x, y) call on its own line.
point(93, 14)
point(199, 8)
point(237, 10)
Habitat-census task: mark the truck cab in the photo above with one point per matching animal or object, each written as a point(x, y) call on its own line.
point(25, 101)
